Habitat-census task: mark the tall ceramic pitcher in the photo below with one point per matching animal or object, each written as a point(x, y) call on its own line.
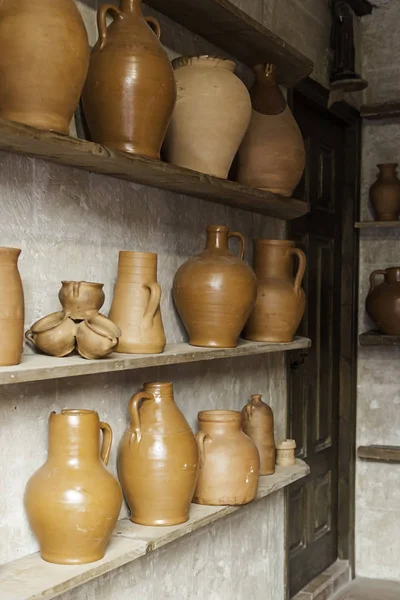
point(281, 302)
point(12, 310)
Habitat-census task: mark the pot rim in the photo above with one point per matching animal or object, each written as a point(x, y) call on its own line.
point(389, 164)
point(81, 412)
point(84, 282)
point(267, 242)
point(219, 416)
point(184, 61)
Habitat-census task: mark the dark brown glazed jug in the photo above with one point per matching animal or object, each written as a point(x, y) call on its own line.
point(385, 193)
point(383, 300)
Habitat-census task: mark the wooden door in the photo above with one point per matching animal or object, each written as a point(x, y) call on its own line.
point(314, 379)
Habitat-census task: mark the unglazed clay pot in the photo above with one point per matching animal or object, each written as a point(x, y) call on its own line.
point(54, 334)
point(136, 304)
point(97, 337)
point(258, 424)
point(81, 299)
point(229, 460)
point(72, 501)
point(44, 58)
point(383, 301)
point(281, 302)
point(130, 90)
point(211, 115)
point(215, 291)
point(285, 453)
point(12, 308)
point(385, 193)
point(272, 155)
point(158, 459)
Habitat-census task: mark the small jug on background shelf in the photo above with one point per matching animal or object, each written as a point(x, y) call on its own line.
point(258, 424)
point(385, 193)
point(285, 453)
point(383, 300)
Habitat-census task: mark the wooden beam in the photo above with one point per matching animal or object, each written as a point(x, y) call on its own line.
point(388, 454)
point(376, 224)
point(375, 338)
point(383, 110)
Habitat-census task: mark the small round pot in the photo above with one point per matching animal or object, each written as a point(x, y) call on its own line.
point(81, 299)
point(53, 334)
point(97, 337)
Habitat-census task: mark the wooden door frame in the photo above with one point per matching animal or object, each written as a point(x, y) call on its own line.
point(316, 96)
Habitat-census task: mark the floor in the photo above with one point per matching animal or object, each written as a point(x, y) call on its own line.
point(370, 589)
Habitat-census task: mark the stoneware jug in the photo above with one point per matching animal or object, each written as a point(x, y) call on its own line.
point(12, 308)
point(158, 459)
point(385, 193)
point(272, 155)
point(211, 115)
point(81, 299)
point(130, 90)
point(72, 501)
point(281, 302)
point(215, 291)
point(135, 307)
point(383, 300)
point(285, 453)
point(54, 334)
point(44, 58)
point(258, 424)
point(229, 460)
point(97, 337)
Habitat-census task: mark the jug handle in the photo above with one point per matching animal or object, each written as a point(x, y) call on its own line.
point(134, 412)
point(236, 234)
point(154, 25)
point(107, 441)
point(249, 410)
point(29, 336)
point(372, 278)
point(301, 268)
point(101, 20)
point(201, 437)
point(154, 301)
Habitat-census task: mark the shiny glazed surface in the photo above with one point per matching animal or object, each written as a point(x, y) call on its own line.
point(12, 308)
point(383, 300)
point(258, 424)
point(385, 193)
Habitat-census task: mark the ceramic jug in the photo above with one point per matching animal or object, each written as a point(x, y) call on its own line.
point(385, 193)
point(383, 300)
point(54, 334)
point(12, 308)
point(44, 58)
point(215, 291)
point(286, 453)
point(272, 155)
point(72, 501)
point(81, 299)
point(211, 115)
point(135, 307)
point(281, 302)
point(229, 460)
point(158, 458)
point(130, 90)
point(258, 424)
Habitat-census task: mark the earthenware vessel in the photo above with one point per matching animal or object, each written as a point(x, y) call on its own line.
point(158, 459)
point(229, 460)
point(285, 453)
point(97, 337)
point(211, 115)
point(44, 58)
point(130, 90)
point(54, 334)
point(72, 501)
point(215, 291)
point(385, 193)
point(81, 299)
point(12, 308)
point(271, 156)
point(383, 300)
point(281, 302)
point(135, 307)
point(258, 424)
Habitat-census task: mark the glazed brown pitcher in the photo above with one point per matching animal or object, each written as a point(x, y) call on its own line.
point(383, 300)
point(12, 308)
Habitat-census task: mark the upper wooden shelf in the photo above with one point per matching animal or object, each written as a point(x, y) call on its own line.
point(375, 338)
point(385, 110)
point(93, 157)
point(231, 29)
point(376, 224)
point(388, 454)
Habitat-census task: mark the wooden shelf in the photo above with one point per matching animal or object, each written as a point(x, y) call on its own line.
point(93, 157)
point(231, 29)
point(38, 367)
point(31, 578)
point(388, 454)
point(376, 224)
point(384, 110)
point(375, 338)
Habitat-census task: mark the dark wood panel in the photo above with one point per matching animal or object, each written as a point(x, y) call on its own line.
point(375, 338)
point(384, 110)
point(389, 454)
point(360, 7)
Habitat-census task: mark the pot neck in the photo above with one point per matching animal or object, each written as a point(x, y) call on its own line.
point(387, 171)
point(131, 6)
point(220, 422)
point(266, 96)
point(162, 392)
point(137, 267)
point(273, 259)
point(393, 275)
point(217, 238)
point(74, 436)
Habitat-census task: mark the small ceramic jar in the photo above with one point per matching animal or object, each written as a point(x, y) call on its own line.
point(285, 453)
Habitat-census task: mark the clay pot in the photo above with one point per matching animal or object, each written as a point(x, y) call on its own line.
point(44, 58)
point(385, 193)
point(136, 304)
point(272, 155)
point(130, 90)
point(53, 334)
point(97, 337)
point(281, 302)
point(12, 308)
point(211, 115)
point(215, 291)
point(285, 453)
point(258, 424)
point(72, 501)
point(229, 461)
point(383, 301)
point(158, 459)
point(81, 299)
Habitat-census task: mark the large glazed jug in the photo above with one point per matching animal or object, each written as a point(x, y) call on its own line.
point(385, 193)
point(135, 308)
point(281, 302)
point(130, 90)
point(215, 291)
point(229, 460)
point(258, 424)
point(158, 459)
point(44, 58)
point(72, 501)
point(12, 308)
point(383, 300)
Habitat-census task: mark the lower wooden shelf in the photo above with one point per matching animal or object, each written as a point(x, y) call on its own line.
point(31, 578)
point(38, 367)
point(376, 224)
point(375, 338)
point(388, 454)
